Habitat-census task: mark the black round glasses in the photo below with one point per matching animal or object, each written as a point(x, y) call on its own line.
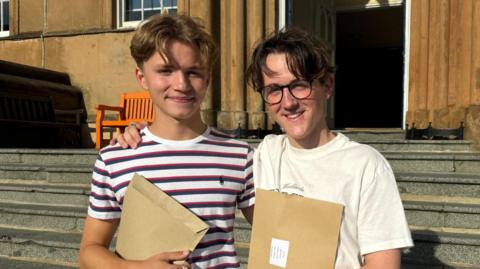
point(273, 94)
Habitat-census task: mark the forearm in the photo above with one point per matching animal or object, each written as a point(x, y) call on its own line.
point(385, 259)
point(99, 257)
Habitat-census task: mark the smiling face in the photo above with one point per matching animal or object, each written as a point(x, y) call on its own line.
point(303, 120)
point(177, 83)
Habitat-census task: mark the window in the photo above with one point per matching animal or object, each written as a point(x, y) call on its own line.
point(4, 17)
point(131, 12)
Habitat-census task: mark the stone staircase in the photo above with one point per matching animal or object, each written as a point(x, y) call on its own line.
point(43, 200)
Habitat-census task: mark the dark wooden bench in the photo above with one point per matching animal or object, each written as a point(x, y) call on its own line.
point(31, 120)
point(431, 133)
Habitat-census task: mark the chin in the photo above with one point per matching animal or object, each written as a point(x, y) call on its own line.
point(295, 133)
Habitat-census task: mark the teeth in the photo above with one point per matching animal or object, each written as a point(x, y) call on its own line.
point(293, 116)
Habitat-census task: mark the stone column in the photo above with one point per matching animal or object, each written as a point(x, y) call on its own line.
point(204, 10)
point(255, 31)
point(232, 40)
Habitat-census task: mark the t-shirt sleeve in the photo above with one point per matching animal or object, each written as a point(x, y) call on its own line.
point(247, 196)
point(103, 203)
point(381, 221)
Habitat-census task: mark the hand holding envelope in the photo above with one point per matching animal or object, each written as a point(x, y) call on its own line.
point(153, 222)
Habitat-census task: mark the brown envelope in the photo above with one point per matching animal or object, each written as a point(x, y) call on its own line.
point(290, 231)
point(153, 222)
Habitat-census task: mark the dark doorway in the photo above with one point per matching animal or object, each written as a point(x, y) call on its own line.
point(369, 77)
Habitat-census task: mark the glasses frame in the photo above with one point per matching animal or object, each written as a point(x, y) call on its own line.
point(288, 86)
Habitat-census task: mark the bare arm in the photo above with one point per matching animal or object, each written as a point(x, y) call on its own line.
point(94, 253)
point(385, 259)
point(248, 213)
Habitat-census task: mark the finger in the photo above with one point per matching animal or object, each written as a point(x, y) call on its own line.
point(185, 265)
point(173, 256)
point(120, 139)
point(132, 134)
point(131, 137)
point(113, 141)
point(182, 264)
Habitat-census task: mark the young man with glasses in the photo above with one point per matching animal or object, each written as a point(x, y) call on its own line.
point(292, 71)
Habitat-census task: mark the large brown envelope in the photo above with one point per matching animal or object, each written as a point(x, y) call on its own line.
point(290, 231)
point(153, 222)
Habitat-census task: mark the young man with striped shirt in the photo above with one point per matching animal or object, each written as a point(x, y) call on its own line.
point(207, 172)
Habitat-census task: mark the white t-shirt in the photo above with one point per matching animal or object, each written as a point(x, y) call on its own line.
point(345, 172)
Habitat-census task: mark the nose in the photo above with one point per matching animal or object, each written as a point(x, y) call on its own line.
point(180, 81)
point(288, 101)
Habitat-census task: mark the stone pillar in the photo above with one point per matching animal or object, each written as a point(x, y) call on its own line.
point(255, 31)
point(232, 40)
point(204, 10)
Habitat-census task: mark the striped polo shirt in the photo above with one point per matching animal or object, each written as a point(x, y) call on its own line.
point(211, 175)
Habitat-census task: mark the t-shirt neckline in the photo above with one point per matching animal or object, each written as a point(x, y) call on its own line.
point(176, 143)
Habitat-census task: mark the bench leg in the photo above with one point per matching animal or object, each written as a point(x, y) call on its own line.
point(98, 135)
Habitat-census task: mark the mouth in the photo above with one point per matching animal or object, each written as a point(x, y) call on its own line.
point(182, 99)
point(293, 116)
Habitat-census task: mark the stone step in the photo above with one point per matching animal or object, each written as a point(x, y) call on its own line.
point(42, 192)
point(54, 246)
point(22, 263)
point(428, 211)
point(439, 162)
point(456, 246)
point(442, 211)
point(47, 245)
point(49, 156)
point(433, 247)
point(55, 218)
point(445, 184)
point(400, 144)
point(420, 145)
point(77, 174)
point(448, 248)
point(88, 156)
point(447, 162)
point(371, 134)
point(407, 264)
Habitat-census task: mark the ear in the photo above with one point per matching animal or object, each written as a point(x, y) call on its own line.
point(207, 82)
point(329, 84)
point(141, 78)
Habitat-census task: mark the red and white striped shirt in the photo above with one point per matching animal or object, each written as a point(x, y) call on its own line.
point(211, 175)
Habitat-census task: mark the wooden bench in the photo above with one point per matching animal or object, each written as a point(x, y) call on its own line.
point(31, 121)
point(431, 133)
point(134, 107)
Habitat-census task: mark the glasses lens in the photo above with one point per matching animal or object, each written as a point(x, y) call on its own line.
point(272, 94)
point(300, 89)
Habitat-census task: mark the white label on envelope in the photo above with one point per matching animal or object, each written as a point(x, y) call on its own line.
point(279, 252)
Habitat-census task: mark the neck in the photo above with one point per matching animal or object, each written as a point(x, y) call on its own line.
point(172, 129)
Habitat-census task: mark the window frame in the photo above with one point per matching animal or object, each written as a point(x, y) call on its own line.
point(120, 6)
point(4, 33)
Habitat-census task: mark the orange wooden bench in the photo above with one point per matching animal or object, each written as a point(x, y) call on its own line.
point(134, 107)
